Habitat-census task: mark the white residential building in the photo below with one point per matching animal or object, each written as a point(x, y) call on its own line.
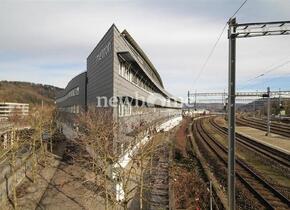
point(7, 109)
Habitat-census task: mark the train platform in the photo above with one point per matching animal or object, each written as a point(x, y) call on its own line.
point(274, 140)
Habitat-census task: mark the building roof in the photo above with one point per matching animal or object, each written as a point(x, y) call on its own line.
point(129, 38)
point(64, 91)
point(127, 56)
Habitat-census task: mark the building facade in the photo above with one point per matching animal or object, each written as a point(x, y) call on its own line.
point(120, 75)
point(73, 98)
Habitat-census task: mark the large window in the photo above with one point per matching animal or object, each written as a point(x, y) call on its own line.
point(126, 72)
point(71, 109)
point(73, 92)
point(121, 68)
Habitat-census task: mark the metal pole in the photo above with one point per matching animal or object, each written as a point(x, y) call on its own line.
point(188, 101)
point(268, 112)
point(254, 104)
point(223, 98)
point(231, 114)
point(224, 104)
point(195, 101)
point(280, 105)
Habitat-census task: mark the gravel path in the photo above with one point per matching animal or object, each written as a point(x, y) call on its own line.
point(159, 195)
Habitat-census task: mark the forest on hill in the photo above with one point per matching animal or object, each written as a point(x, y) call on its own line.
point(26, 92)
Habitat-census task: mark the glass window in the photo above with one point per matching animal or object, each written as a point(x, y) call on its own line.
point(120, 68)
point(130, 76)
point(134, 79)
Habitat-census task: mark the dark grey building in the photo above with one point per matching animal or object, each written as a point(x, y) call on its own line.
point(73, 98)
point(118, 69)
point(122, 69)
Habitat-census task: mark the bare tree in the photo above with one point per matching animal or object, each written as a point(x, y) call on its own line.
point(24, 141)
point(49, 115)
point(15, 143)
point(118, 175)
point(96, 129)
point(98, 137)
point(36, 138)
point(139, 159)
point(40, 121)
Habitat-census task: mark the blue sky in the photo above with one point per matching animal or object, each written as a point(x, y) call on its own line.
point(48, 41)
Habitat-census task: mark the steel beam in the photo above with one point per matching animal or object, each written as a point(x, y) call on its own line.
point(247, 30)
point(285, 93)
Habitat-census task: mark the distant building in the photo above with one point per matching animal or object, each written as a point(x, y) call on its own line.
point(8, 109)
point(190, 112)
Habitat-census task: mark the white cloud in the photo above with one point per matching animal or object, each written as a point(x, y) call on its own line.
point(176, 35)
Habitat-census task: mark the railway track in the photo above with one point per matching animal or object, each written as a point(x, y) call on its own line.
point(270, 152)
point(267, 195)
point(277, 128)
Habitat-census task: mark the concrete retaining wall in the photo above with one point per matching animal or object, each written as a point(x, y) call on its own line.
point(23, 166)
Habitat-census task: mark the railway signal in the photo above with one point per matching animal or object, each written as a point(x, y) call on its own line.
point(235, 31)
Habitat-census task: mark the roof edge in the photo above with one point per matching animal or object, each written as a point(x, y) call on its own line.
point(130, 39)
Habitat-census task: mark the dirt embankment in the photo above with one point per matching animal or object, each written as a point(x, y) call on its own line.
point(189, 184)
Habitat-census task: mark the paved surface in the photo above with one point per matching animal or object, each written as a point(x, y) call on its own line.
point(281, 142)
point(275, 140)
point(66, 191)
point(28, 193)
point(58, 186)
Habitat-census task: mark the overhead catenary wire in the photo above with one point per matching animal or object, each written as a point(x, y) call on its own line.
point(236, 12)
point(266, 81)
point(270, 70)
point(215, 45)
point(260, 75)
point(210, 54)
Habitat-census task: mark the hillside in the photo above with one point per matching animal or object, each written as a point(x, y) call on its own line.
point(25, 92)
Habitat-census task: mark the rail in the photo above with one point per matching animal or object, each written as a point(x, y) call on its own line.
point(262, 190)
point(253, 145)
point(281, 129)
